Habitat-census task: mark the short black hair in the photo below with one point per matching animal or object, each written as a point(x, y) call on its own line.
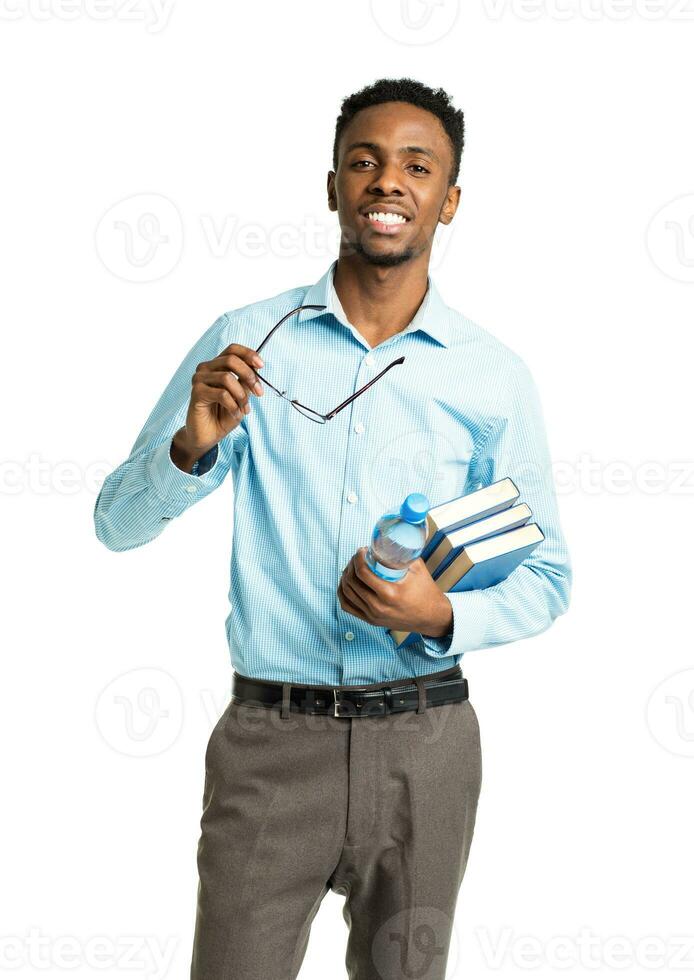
point(436, 101)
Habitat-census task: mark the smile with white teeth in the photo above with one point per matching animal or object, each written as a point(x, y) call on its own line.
point(386, 217)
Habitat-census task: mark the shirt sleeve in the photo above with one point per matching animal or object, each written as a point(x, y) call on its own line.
point(147, 490)
point(538, 590)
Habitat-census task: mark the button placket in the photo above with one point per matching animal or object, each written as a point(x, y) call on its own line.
point(353, 481)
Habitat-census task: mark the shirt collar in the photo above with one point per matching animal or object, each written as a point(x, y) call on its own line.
point(431, 317)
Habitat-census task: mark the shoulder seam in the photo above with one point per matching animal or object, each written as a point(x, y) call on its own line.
point(239, 310)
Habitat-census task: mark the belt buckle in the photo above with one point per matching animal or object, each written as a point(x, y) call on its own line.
point(384, 693)
point(336, 706)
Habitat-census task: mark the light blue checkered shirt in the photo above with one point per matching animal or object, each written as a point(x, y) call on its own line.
point(461, 412)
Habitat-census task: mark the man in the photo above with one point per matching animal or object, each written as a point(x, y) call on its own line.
point(341, 761)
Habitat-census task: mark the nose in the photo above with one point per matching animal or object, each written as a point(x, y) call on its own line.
point(387, 180)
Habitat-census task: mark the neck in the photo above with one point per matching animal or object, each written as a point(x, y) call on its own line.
point(380, 301)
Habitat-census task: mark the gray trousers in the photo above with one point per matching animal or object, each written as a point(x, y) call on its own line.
point(378, 809)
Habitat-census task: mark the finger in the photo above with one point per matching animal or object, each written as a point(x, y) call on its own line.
point(369, 580)
point(224, 379)
point(235, 365)
point(347, 605)
point(354, 598)
point(249, 355)
point(231, 362)
point(350, 578)
point(208, 395)
point(224, 382)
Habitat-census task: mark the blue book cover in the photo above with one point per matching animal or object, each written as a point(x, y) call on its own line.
point(463, 510)
point(453, 543)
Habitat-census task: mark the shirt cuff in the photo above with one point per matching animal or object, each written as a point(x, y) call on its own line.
point(206, 462)
point(177, 488)
point(470, 617)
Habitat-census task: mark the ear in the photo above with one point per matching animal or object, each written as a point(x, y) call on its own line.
point(332, 196)
point(450, 205)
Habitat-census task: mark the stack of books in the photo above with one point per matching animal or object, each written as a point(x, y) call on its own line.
point(475, 541)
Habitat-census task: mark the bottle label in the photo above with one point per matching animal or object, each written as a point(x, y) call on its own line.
point(389, 574)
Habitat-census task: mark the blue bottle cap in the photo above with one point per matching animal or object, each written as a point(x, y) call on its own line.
point(415, 508)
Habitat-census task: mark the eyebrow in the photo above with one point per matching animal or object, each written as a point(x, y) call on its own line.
point(364, 145)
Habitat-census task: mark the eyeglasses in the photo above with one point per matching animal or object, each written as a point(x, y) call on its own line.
point(310, 413)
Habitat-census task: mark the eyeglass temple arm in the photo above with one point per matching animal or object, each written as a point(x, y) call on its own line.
point(399, 360)
point(286, 317)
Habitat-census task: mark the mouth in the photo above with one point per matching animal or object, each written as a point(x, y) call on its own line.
point(386, 221)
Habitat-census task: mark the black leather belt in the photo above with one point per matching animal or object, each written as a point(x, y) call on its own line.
point(351, 701)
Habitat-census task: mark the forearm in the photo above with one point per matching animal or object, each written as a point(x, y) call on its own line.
point(143, 494)
point(525, 604)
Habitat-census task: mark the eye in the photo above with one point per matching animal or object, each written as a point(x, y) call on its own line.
point(357, 162)
point(420, 168)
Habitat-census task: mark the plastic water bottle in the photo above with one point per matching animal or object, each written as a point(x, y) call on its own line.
point(398, 539)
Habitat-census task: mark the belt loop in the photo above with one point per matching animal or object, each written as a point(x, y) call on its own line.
point(286, 689)
point(422, 695)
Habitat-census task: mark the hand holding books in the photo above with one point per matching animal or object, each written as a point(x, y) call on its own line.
point(475, 541)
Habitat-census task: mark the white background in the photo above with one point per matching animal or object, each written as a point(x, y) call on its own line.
point(578, 136)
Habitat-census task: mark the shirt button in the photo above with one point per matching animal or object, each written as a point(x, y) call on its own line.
point(349, 635)
point(369, 360)
point(352, 497)
point(359, 427)
point(191, 488)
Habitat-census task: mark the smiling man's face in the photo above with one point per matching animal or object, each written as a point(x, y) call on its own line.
point(391, 188)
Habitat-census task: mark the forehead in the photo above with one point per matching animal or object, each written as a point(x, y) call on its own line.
point(395, 124)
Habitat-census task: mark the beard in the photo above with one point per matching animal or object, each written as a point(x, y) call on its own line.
point(384, 260)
